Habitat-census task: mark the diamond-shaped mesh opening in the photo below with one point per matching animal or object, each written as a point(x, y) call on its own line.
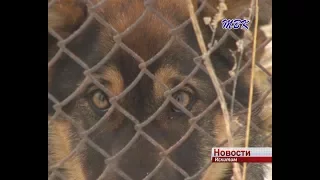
point(135, 124)
point(145, 161)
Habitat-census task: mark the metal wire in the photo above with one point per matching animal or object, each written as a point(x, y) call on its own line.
point(143, 64)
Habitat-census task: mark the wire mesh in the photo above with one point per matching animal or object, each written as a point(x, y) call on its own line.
point(88, 72)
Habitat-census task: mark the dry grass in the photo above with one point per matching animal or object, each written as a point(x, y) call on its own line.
point(265, 61)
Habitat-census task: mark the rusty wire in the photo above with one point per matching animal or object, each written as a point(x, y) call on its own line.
point(143, 64)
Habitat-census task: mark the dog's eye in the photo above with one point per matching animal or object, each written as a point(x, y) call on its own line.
point(184, 98)
point(99, 100)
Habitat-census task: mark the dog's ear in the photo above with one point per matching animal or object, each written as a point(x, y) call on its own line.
point(232, 9)
point(65, 16)
point(238, 7)
point(209, 10)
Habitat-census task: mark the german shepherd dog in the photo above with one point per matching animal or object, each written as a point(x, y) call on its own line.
point(115, 64)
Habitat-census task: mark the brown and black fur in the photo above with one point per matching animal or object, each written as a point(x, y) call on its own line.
point(146, 40)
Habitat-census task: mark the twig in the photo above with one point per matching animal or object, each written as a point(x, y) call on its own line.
point(238, 65)
point(216, 84)
point(251, 83)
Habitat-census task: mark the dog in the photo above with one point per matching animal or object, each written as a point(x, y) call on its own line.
point(117, 64)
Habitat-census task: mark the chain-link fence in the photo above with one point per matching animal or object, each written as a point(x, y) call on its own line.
point(59, 106)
